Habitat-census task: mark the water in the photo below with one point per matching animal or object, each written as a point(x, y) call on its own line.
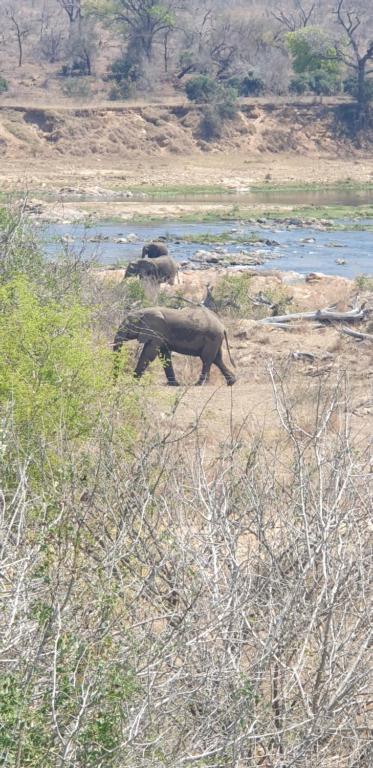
point(291, 254)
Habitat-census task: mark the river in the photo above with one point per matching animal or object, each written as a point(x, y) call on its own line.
point(300, 249)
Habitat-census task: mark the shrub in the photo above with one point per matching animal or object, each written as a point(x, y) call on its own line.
point(320, 82)
point(20, 252)
point(250, 85)
point(223, 107)
point(77, 88)
point(350, 86)
point(3, 85)
point(52, 373)
point(126, 72)
point(232, 292)
point(201, 88)
point(210, 124)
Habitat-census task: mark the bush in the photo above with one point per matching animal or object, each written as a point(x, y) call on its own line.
point(52, 373)
point(350, 86)
point(201, 88)
point(320, 82)
point(77, 88)
point(210, 124)
point(222, 108)
point(250, 85)
point(76, 69)
point(3, 85)
point(232, 292)
point(126, 71)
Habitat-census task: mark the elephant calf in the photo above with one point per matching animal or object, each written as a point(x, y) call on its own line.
point(192, 331)
point(161, 270)
point(154, 250)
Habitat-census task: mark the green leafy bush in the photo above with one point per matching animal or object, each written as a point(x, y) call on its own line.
point(350, 85)
point(126, 72)
point(201, 88)
point(232, 292)
point(51, 372)
point(320, 82)
point(315, 62)
point(250, 85)
point(3, 85)
point(222, 108)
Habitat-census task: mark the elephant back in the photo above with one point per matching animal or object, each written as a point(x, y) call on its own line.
point(154, 250)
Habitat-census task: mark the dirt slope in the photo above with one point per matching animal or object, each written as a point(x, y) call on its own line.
point(156, 131)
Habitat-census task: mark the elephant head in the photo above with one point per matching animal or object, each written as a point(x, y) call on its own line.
point(154, 250)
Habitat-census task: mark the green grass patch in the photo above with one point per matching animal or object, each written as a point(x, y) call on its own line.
point(186, 190)
point(209, 238)
point(296, 186)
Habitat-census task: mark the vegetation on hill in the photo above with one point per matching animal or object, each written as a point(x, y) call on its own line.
point(120, 48)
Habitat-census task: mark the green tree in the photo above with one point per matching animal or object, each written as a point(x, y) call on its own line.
point(142, 21)
point(314, 60)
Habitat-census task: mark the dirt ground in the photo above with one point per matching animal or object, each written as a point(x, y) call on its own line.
point(262, 352)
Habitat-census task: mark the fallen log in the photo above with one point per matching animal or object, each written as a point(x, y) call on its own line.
point(321, 315)
point(357, 334)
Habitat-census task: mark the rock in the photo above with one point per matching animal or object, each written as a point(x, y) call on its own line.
point(98, 238)
point(341, 261)
point(295, 222)
point(313, 276)
point(334, 245)
point(308, 240)
point(67, 239)
point(132, 238)
point(272, 243)
point(208, 257)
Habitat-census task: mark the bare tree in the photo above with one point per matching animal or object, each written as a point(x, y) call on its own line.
point(21, 29)
point(295, 19)
point(73, 8)
point(356, 24)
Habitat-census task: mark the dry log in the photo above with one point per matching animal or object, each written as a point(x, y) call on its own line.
point(357, 334)
point(321, 315)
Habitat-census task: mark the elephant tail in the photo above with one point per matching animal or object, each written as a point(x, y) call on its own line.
point(229, 352)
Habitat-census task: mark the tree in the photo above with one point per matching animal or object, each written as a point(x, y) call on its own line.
point(357, 26)
point(21, 30)
point(73, 9)
point(143, 21)
point(314, 61)
point(298, 18)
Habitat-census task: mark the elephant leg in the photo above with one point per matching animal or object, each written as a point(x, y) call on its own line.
point(228, 375)
point(168, 367)
point(149, 352)
point(205, 373)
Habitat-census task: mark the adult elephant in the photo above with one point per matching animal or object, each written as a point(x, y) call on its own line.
point(192, 331)
point(161, 270)
point(154, 250)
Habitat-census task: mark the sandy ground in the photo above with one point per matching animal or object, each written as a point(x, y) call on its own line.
point(235, 171)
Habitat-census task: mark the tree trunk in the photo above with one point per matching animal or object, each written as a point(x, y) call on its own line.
point(362, 101)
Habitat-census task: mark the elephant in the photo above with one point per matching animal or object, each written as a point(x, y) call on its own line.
point(154, 250)
point(194, 331)
point(162, 270)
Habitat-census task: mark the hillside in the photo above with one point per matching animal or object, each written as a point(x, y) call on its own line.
point(116, 146)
